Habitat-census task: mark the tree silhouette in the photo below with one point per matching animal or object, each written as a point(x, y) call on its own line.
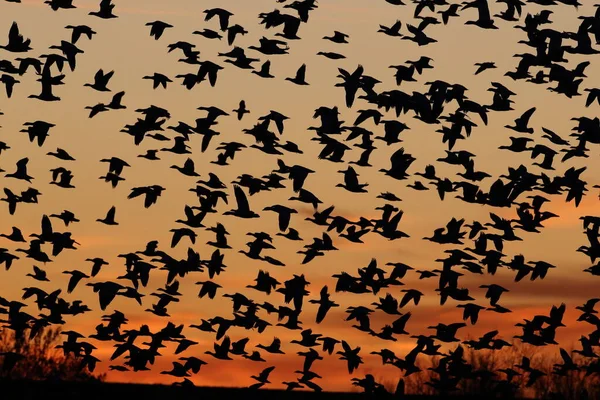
point(38, 358)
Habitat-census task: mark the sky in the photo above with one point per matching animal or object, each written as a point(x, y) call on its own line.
point(124, 45)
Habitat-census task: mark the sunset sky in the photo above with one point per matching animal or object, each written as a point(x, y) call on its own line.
point(125, 46)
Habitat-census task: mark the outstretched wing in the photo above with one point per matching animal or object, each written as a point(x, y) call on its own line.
point(46, 226)
point(241, 199)
point(110, 215)
point(527, 115)
point(351, 178)
point(13, 34)
point(137, 191)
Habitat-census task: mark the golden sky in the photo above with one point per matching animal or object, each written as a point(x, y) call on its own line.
point(124, 45)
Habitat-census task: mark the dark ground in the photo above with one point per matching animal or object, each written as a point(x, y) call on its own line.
point(28, 390)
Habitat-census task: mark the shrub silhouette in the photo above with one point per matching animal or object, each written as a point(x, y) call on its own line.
point(39, 359)
point(573, 385)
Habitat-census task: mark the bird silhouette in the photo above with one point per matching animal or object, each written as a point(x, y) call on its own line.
point(16, 42)
point(110, 217)
point(300, 78)
point(521, 123)
point(105, 11)
point(157, 28)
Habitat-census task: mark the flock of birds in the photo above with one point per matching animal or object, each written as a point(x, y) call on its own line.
point(445, 106)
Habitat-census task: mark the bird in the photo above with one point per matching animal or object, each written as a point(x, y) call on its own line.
point(554, 138)
point(243, 207)
point(105, 11)
point(521, 123)
point(337, 37)
point(101, 79)
point(331, 55)
point(265, 70)
point(151, 194)
point(325, 304)
point(187, 169)
point(61, 154)
point(21, 171)
point(96, 109)
point(221, 350)
point(158, 79)
point(393, 30)
point(110, 217)
point(233, 31)
point(9, 83)
point(157, 28)
point(351, 181)
point(97, 264)
point(484, 66)
point(15, 236)
point(79, 30)
point(39, 274)
point(208, 33)
point(76, 277)
point(262, 378)
point(222, 14)
point(284, 215)
point(208, 288)
point(16, 42)
point(179, 233)
point(300, 78)
point(241, 110)
point(107, 291)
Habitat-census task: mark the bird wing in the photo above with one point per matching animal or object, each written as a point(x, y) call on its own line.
point(206, 139)
point(46, 226)
point(265, 68)
point(527, 115)
point(301, 73)
point(241, 199)
point(110, 215)
point(117, 98)
point(212, 76)
point(398, 158)
point(284, 220)
point(565, 356)
point(22, 165)
point(264, 375)
point(98, 76)
point(189, 165)
point(73, 282)
point(106, 297)
point(137, 191)
point(406, 299)
point(590, 98)
point(484, 10)
point(177, 235)
point(14, 34)
point(321, 313)
point(108, 75)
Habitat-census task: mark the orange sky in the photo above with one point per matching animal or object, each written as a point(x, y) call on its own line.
point(124, 45)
